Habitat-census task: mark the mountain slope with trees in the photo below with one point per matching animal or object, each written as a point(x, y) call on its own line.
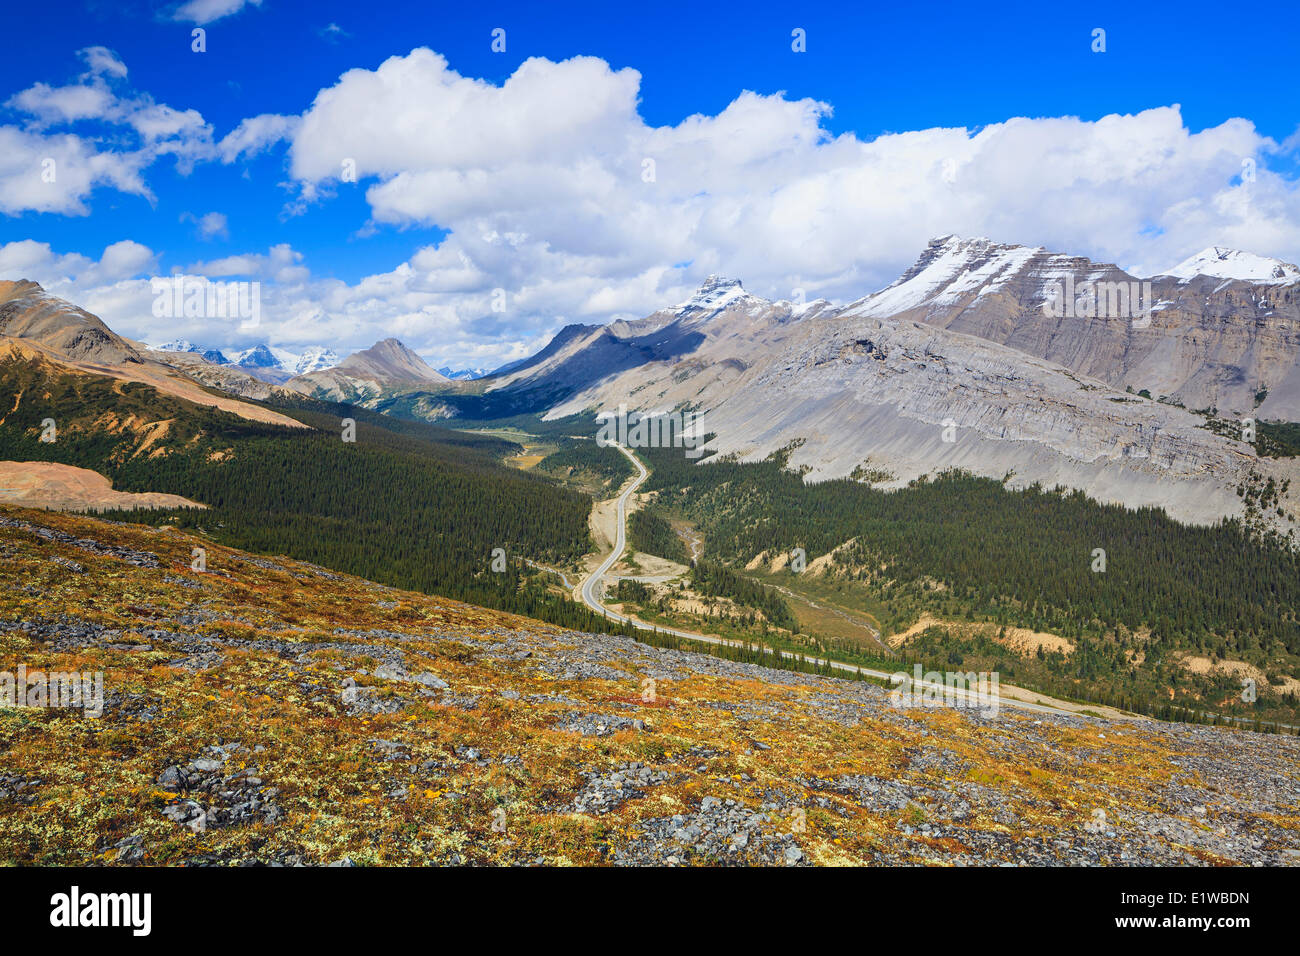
point(968, 549)
point(405, 503)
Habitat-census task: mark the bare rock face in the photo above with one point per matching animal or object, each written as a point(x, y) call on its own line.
point(29, 312)
point(912, 400)
point(917, 401)
point(885, 383)
point(682, 337)
point(1219, 330)
point(390, 360)
point(1225, 343)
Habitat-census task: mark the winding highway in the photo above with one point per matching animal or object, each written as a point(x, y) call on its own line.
point(590, 592)
point(556, 571)
point(594, 582)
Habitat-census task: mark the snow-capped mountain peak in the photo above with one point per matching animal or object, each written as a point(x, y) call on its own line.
point(463, 374)
point(259, 356)
point(949, 269)
point(314, 359)
point(715, 294)
point(176, 345)
point(1222, 263)
point(263, 361)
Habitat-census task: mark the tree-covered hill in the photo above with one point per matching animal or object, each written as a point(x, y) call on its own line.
point(968, 549)
point(406, 503)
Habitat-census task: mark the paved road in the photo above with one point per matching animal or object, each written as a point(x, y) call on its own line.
point(541, 567)
point(589, 592)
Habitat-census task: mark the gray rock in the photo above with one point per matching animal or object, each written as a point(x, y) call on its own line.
point(173, 778)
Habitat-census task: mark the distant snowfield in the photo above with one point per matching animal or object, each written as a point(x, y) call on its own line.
point(312, 359)
point(1220, 263)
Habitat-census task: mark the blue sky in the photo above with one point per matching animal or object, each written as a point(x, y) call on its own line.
point(583, 250)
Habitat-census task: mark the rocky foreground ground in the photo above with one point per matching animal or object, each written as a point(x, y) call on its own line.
point(273, 712)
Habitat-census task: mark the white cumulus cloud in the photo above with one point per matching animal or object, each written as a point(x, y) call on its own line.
point(552, 188)
point(203, 12)
point(552, 181)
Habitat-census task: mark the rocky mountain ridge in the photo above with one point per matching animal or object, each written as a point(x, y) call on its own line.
point(29, 313)
point(274, 365)
point(364, 376)
point(1222, 263)
point(1199, 339)
point(958, 364)
point(37, 327)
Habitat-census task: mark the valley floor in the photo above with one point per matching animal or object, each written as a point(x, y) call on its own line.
point(273, 711)
point(609, 524)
